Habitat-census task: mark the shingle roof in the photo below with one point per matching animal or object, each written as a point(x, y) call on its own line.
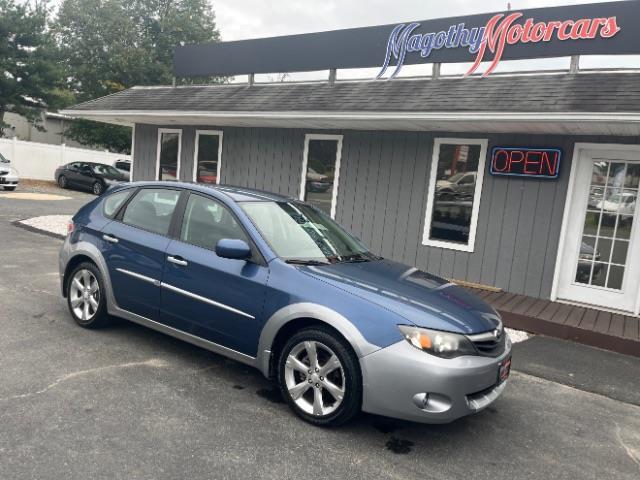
point(583, 92)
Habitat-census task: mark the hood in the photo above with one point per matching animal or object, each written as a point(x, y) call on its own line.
point(423, 299)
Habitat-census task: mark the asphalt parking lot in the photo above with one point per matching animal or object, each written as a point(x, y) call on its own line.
point(126, 402)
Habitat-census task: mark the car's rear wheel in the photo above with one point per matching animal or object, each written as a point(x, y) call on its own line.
point(98, 188)
point(86, 297)
point(62, 181)
point(319, 377)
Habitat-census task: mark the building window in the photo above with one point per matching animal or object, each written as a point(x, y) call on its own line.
point(320, 171)
point(207, 156)
point(168, 161)
point(455, 185)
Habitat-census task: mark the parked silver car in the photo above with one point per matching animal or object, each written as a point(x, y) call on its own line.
point(9, 176)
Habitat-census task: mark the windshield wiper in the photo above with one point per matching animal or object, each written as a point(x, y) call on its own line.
point(297, 261)
point(357, 258)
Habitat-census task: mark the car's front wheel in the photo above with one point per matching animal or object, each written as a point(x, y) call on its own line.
point(319, 376)
point(86, 297)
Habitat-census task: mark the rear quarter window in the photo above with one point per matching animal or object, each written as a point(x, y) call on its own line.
point(112, 203)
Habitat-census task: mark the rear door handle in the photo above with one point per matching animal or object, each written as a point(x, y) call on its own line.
point(178, 260)
point(109, 238)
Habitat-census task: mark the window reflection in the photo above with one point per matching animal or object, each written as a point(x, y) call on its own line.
point(207, 161)
point(169, 148)
point(457, 173)
point(321, 172)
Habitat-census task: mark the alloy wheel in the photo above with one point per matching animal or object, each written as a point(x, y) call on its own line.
point(97, 188)
point(62, 181)
point(315, 378)
point(84, 295)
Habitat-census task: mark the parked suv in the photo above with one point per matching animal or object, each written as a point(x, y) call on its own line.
point(9, 177)
point(275, 283)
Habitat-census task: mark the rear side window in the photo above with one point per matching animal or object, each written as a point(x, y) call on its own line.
point(113, 202)
point(123, 166)
point(206, 222)
point(151, 209)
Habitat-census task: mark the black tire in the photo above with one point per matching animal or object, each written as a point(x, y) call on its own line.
point(352, 401)
point(100, 317)
point(62, 181)
point(97, 188)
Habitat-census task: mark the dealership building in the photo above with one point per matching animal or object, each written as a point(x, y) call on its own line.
point(524, 184)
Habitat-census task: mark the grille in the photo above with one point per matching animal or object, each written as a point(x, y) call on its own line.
point(488, 345)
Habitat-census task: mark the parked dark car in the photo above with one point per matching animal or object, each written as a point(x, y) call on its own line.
point(275, 283)
point(95, 177)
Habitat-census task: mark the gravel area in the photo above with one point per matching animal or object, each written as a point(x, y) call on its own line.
point(518, 336)
point(56, 224)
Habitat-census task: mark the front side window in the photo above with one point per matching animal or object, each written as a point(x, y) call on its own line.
point(168, 163)
point(320, 174)
point(207, 221)
point(151, 209)
point(105, 170)
point(207, 156)
point(455, 185)
point(299, 232)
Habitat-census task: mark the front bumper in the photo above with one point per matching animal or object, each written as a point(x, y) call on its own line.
point(9, 180)
point(398, 379)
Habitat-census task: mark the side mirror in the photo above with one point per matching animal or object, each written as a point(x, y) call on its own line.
point(233, 249)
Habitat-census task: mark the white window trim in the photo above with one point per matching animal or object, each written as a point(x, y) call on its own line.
point(133, 150)
point(220, 134)
point(476, 197)
point(160, 132)
point(305, 157)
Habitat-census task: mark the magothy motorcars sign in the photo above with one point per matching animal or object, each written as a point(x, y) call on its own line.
point(500, 32)
point(592, 29)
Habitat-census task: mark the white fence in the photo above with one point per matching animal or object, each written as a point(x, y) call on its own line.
point(39, 161)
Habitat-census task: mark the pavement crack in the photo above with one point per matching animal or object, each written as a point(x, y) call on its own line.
point(631, 452)
point(153, 362)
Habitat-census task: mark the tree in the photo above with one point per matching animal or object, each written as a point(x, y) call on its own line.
point(30, 78)
point(110, 45)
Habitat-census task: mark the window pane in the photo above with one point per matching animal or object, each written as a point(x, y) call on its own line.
point(112, 202)
point(320, 174)
point(208, 147)
point(169, 143)
point(206, 222)
point(456, 176)
point(151, 210)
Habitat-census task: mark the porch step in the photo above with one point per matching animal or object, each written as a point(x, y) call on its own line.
point(589, 326)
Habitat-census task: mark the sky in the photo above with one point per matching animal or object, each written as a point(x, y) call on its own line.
point(244, 19)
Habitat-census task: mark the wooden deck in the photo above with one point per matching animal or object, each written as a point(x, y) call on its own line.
point(620, 333)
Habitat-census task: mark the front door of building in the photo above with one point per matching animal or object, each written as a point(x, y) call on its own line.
point(600, 261)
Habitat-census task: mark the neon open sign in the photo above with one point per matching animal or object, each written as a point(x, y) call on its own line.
point(526, 162)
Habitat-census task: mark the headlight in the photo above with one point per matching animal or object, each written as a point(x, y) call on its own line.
point(441, 344)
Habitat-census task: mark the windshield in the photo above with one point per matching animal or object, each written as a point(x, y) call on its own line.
point(298, 232)
point(106, 170)
point(3, 160)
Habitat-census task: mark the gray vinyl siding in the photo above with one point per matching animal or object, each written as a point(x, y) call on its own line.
point(382, 197)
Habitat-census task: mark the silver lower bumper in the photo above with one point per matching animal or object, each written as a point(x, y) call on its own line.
point(401, 381)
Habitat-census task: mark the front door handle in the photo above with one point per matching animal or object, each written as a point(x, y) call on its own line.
point(109, 238)
point(178, 260)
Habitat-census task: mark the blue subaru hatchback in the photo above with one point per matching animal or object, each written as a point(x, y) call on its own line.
point(276, 284)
